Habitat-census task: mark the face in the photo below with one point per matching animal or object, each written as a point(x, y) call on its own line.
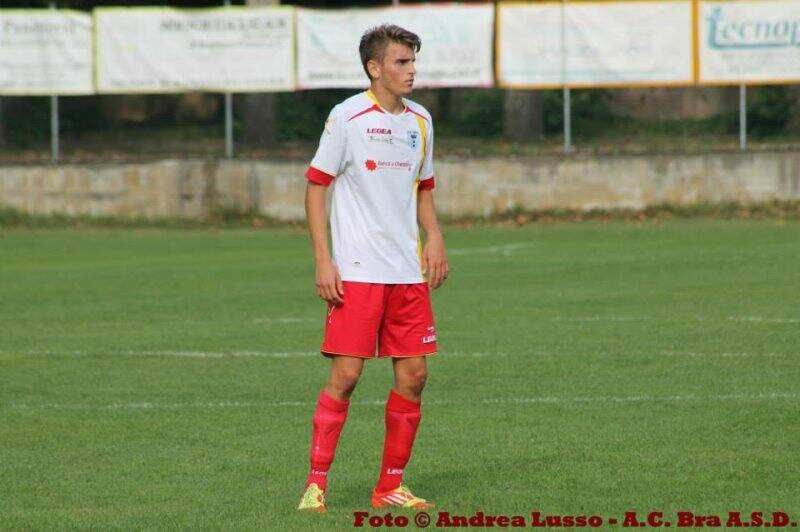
point(396, 72)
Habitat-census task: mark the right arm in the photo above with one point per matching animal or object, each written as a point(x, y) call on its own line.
point(328, 283)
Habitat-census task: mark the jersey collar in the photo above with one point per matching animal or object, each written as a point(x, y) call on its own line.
point(374, 99)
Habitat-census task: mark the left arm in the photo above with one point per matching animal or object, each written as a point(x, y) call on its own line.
point(434, 255)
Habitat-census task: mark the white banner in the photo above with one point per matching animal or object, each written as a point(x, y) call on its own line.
point(606, 44)
point(749, 41)
point(456, 45)
point(45, 52)
point(232, 49)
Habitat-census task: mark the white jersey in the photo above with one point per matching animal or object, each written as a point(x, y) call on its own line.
point(377, 161)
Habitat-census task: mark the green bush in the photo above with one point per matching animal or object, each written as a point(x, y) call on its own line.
point(590, 112)
point(768, 110)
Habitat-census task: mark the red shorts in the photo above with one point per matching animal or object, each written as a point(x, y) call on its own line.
point(387, 320)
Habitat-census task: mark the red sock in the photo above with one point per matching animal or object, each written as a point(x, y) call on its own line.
point(402, 420)
point(329, 418)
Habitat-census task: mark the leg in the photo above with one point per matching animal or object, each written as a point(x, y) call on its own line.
point(410, 375)
point(330, 416)
point(344, 374)
point(351, 332)
point(403, 414)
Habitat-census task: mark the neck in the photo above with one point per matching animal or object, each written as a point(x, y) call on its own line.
point(388, 101)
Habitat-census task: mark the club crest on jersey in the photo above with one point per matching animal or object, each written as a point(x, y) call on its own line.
point(413, 138)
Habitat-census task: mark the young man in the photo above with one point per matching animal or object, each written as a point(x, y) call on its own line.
point(377, 152)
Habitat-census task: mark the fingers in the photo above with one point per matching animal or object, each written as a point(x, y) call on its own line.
point(339, 286)
point(331, 291)
point(434, 275)
point(438, 274)
point(338, 293)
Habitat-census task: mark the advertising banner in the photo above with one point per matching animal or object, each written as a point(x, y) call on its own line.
point(231, 49)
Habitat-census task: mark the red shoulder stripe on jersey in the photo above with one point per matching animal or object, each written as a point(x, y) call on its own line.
point(375, 107)
point(318, 176)
point(410, 110)
point(426, 184)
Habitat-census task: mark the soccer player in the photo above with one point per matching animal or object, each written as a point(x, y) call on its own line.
point(376, 153)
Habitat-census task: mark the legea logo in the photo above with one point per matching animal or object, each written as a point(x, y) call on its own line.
point(727, 33)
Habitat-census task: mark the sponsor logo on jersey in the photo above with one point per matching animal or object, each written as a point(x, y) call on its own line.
point(373, 165)
point(379, 134)
point(413, 138)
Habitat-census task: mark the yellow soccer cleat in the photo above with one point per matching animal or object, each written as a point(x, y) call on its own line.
point(313, 499)
point(400, 497)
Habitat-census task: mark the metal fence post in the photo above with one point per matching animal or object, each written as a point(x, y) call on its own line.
point(742, 117)
point(567, 121)
point(228, 116)
point(567, 97)
point(54, 122)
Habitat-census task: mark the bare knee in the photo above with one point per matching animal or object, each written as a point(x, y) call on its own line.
point(412, 381)
point(343, 381)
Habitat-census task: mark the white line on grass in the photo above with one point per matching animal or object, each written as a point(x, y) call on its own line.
point(747, 319)
point(762, 319)
point(641, 398)
point(601, 318)
point(285, 321)
point(214, 354)
point(505, 249)
point(159, 353)
point(446, 354)
point(726, 354)
point(380, 402)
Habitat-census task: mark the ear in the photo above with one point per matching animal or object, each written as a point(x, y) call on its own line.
point(374, 69)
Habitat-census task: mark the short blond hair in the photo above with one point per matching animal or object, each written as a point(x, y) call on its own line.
point(375, 40)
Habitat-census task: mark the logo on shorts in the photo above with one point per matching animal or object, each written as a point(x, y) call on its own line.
point(431, 336)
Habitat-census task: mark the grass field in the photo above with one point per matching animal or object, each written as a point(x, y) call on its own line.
point(166, 379)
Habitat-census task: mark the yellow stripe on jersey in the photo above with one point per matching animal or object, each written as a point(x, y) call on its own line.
point(423, 129)
point(371, 96)
point(419, 238)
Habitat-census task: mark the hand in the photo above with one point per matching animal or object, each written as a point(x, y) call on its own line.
point(434, 261)
point(329, 284)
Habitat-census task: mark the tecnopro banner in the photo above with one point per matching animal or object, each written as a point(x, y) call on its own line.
point(45, 52)
point(456, 45)
point(595, 44)
point(168, 50)
point(743, 42)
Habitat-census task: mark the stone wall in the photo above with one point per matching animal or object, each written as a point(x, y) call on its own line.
point(465, 187)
